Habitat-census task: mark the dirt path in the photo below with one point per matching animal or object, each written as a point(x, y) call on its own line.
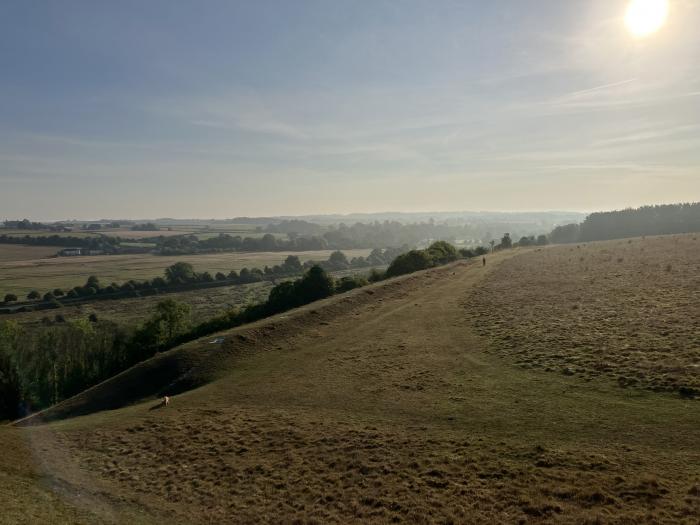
point(383, 407)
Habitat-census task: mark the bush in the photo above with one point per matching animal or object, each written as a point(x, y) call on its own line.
point(409, 262)
point(376, 276)
point(10, 297)
point(349, 283)
point(442, 252)
point(315, 285)
point(33, 295)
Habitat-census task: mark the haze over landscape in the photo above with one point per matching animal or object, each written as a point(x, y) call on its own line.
point(350, 262)
point(166, 109)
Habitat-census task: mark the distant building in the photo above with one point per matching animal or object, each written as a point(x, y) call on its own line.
point(67, 252)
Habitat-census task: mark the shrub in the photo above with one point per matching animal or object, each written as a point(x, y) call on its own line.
point(316, 284)
point(442, 252)
point(33, 295)
point(409, 262)
point(10, 297)
point(349, 283)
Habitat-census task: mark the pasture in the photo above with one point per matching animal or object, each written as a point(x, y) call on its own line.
point(388, 404)
point(627, 310)
point(22, 276)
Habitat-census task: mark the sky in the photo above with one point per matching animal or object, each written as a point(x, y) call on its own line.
point(213, 109)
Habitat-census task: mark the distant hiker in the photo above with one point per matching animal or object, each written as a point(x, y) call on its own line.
point(483, 261)
point(166, 401)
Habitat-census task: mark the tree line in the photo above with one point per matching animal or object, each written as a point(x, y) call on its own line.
point(632, 222)
point(44, 365)
point(101, 243)
point(183, 273)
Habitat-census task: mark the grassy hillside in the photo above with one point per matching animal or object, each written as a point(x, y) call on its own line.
point(385, 404)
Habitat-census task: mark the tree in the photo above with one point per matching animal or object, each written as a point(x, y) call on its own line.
point(541, 240)
point(174, 315)
point(292, 264)
point(93, 282)
point(338, 261)
point(220, 276)
point(408, 263)
point(170, 319)
point(316, 284)
point(506, 241)
point(10, 297)
point(10, 380)
point(33, 295)
point(565, 234)
point(179, 272)
point(58, 292)
point(442, 252)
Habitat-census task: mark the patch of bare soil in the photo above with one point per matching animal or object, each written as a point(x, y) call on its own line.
point(625, 309)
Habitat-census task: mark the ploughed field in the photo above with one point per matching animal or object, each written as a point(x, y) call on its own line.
point(382, 405)
point(628, 310)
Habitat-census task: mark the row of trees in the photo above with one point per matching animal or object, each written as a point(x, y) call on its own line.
point(302, 235)
point(101, 243)
point(632, 222)
point(46, 364)
point(182, 273)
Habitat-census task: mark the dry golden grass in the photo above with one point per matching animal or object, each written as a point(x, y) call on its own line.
point(378, 406)
point(626, 309)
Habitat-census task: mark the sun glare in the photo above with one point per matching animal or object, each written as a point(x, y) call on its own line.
point(645, 17)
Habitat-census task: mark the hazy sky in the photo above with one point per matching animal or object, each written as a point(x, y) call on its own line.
point(218, 109)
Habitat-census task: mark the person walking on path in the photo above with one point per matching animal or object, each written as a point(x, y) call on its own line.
point(483, 261)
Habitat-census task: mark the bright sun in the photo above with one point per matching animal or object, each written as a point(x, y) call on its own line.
point(645, 17)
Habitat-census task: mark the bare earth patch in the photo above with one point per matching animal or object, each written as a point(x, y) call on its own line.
point(625, 309)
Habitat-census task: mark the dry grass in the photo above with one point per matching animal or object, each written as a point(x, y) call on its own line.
point(378, 406)
point(18, 252)
point(628, 310)
point(20, 277)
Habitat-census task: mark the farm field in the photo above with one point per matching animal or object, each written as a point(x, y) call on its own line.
point(18, 252)
point(205, 303)
point(20, 277)
point(46, 233)
point(386, 404)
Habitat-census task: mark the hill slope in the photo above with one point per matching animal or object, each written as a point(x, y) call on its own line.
point(379, 405)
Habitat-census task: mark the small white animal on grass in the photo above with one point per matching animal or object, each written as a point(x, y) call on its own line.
point(166, 401)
